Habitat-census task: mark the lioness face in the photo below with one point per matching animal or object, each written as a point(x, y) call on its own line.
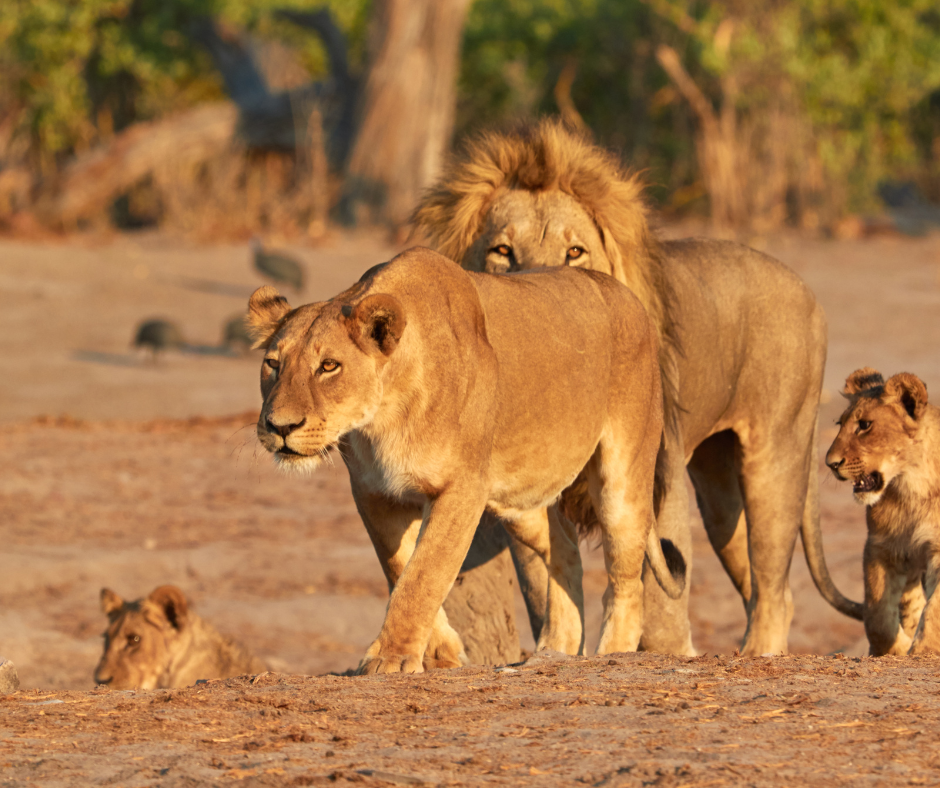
point(322, 374)
point(877, 432)
point(528, 229)
point(136, 651)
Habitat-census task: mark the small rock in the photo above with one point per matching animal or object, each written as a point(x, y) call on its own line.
point(9, 680)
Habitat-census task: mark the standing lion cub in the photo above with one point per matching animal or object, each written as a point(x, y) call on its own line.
point(158, 642)
point(889, 447)
point(450, 392)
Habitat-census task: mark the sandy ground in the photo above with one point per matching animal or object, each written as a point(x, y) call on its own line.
point(121, 472)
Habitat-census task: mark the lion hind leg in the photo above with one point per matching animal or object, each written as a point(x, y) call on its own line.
point(554, 538)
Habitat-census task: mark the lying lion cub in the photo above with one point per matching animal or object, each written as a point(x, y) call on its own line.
point(889, 446)
point(158, 642)
point(456, 392)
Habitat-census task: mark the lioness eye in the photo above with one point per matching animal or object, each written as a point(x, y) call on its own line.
point(133, 640)
point(863, 426)
point(574, 252)
point(502, 249)
point(328, 365)
point(273, 363)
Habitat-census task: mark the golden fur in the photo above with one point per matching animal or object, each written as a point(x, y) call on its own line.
point(438, 406)
point(889, 447)
point(159, 642)
point(541, 158)
point(729, 320)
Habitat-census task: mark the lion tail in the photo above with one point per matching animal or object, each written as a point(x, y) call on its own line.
point(667, 563)
point(811, 535)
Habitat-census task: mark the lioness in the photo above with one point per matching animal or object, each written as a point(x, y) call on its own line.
point(159, 642)
point(430, 379)
point(888, 446)
point(742, 351)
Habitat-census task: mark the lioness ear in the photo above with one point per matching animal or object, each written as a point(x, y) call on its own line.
point(266, 309)
point(376, 321)
point(910, 391)
point(174, 604)
point(111, 603)
point(861, 380)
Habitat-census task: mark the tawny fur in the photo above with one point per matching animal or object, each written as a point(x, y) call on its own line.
point(159, 642)
point(430, 379)
point(742, 354)
point(889, 446)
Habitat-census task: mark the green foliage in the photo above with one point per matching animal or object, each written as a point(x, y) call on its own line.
point(73, 70)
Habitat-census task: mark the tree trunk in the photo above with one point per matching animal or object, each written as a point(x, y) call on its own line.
point(408, 105)
point(716, 143)
point(481, 605)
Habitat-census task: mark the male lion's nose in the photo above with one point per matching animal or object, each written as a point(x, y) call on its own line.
point(284, 429)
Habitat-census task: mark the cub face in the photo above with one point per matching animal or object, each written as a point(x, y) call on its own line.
point(138, 642)
point(877, 432)
point(322, 371)
point(531, 229)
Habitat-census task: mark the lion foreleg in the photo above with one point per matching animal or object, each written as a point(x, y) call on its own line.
point(393, 528)
point(913, 602)
point(884, 587)
point(927, 635)
point(555, 540)
point(415, 603)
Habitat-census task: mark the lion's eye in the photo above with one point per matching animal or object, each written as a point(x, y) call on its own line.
point(133, 640)
point(328, 365)
point(502, 249)
point(574, 253)
point(272, 363)
point(864, 426)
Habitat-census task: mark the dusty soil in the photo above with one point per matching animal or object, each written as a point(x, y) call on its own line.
point(120, 472)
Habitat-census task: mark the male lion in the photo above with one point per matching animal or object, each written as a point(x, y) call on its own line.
point(159, 642)
point(889, 447)
point(742, 351)
point(431, 381)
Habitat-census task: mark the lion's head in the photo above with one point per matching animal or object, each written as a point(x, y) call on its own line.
point(139, 641)
point(322, 370)
point(877, 431)
point(544, 196)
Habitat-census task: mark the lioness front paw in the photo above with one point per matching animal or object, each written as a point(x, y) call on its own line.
point(390, 663)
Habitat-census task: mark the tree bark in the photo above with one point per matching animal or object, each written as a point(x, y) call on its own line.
point(717, 143)
point(408, 105)
point(481, 605)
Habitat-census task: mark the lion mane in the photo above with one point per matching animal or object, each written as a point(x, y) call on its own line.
point(546, 155)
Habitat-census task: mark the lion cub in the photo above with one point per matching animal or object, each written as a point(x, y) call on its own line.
point(157, 642)
point(450, 392)
point(889, 446)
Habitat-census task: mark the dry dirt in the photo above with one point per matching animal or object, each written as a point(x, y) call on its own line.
point(120, 472)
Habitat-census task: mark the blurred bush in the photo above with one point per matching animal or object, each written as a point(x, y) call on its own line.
point(812, 102)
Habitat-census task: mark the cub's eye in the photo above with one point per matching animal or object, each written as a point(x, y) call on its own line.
point(272, 363)
point(328, 365)
point(133, 640)
point(574, 253)
point(503, 250)
point(863, 426)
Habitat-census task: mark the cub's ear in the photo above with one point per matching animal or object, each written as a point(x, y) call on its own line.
point(266, 310)
point(173, 602)
point(378, 321)
point(111, 603)
point(861, 380)
point(910, 391)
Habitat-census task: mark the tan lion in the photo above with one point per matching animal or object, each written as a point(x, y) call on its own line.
point(159, 642)
point(888, 446)
point(742, 351)
point(431, 381)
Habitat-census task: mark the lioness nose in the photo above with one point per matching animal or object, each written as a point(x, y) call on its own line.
point(284, 429)
point(834, 465)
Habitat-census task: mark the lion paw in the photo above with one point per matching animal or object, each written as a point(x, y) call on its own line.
point(390, 663)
